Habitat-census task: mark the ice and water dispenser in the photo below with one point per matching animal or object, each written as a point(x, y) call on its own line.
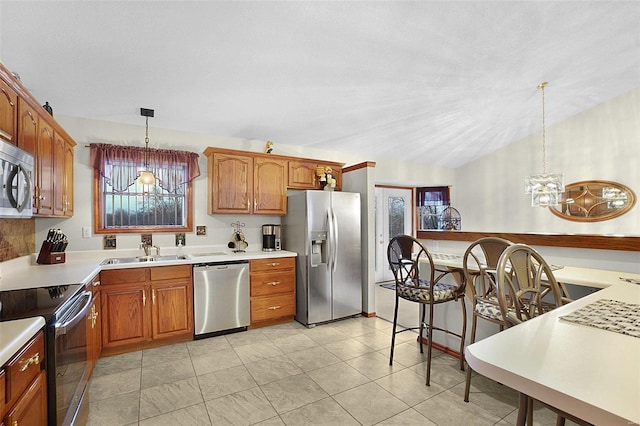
point(318, 248)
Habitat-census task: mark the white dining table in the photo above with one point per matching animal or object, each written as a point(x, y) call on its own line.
point(586, 277)
point(590, 373)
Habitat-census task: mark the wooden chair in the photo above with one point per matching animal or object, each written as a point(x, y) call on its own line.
point(479, 263)
point(404, 253)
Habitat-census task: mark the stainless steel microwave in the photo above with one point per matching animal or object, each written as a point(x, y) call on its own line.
point(16, 173)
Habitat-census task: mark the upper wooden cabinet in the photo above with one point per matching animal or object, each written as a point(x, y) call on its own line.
point(256, 183)
point(242, 183)
point(8, 113)
point(26, 124)
point(270, 186)
point(302, 174)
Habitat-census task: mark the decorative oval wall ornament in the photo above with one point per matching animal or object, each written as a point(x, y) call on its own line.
point(594, 201)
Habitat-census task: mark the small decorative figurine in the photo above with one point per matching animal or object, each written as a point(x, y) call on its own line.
point(48, 108)
point(268, 148)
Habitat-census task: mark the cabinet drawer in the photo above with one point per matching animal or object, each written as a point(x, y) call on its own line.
point(266, 308)
point(267, 283)
point(170, 272)
point(262, 265)
point(124, 276)
point(24, 367)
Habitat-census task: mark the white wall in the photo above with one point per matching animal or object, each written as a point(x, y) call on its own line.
point(602, 143)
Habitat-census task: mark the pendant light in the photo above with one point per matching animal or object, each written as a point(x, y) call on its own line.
point(545, 189)
point(146, 176)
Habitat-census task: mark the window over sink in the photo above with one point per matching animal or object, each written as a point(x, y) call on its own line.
point(124, 205)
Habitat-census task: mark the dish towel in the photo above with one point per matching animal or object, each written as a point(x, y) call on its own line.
point(611, 315)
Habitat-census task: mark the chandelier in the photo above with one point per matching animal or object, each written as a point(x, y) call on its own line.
point(545, 189)
point(146, 176)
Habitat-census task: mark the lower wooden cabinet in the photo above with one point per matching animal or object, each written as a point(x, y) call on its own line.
point(94, 325)
point(144, 304)
point(24, 390)
point(273, 285)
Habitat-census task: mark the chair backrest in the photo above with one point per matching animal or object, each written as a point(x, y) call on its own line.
point(480, 262)
point(403, 253)
point(526, 285)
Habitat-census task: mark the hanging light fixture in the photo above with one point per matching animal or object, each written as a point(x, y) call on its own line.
point(545, 189)
point(146, 176)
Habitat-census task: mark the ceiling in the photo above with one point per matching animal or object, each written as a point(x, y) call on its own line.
point(441, 83)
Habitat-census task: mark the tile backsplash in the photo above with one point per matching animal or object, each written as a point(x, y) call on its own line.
point(17, 238)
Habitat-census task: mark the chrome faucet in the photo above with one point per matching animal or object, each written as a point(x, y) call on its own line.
point(145, 247)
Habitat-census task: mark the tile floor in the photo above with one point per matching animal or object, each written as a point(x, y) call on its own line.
point(333, 374)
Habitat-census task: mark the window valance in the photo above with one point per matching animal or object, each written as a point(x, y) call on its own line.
point(121, 165)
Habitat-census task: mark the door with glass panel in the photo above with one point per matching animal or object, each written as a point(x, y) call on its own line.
point(393, 217)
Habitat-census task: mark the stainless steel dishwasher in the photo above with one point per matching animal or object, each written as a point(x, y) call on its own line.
point(220, 298)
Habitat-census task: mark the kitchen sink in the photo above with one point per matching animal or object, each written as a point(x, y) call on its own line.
point(138, 259)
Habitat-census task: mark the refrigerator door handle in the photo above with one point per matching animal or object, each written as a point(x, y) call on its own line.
point(330, 239)
point(335, 240)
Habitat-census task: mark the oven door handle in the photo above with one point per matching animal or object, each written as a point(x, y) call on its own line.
point(64, 327)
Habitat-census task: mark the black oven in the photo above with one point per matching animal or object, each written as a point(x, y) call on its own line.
point(65, 310)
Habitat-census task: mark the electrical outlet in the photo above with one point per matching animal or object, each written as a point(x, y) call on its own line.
point(109, 242)
point(180, 239)
point(86, 232)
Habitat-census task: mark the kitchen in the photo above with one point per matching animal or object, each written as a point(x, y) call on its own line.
point(579, 135)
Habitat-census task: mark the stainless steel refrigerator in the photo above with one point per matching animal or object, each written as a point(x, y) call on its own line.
point(323, 227)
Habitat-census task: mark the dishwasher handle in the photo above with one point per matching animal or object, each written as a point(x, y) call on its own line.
point(214, 266)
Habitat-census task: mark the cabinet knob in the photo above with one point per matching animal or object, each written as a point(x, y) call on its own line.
point(273, 283)
point(274, 264)
point(273, 308)
point(33, 360)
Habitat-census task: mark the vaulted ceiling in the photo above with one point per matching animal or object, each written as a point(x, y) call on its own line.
point(439, 82)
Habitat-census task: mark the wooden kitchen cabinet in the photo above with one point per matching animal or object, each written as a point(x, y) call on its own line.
point(273, 285)
point(8, 113)
point(140, 305)
point(94, 325)
point(26, 124)
point(63, 176)
point(270, 186)
point(24, 390)
point(240, 183)
point(172, 295)
point(302, 174)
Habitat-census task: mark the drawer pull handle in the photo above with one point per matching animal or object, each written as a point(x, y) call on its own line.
point(274, 264)
point(35, 359)
point(274, 283)
point(273, 308)
point(96, 283)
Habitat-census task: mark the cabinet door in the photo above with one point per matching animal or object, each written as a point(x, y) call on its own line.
point(172, 308)
point(126, 314)
point(58, 175)
point(270, 193)
point(302, 175)
point(231, 183)
point(44, 170)
point(68, 178)
point(8, 113)
point(31, 408)
point(94, 333)
point(27, 128)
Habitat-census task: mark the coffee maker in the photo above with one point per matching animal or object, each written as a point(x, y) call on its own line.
point(270, 237)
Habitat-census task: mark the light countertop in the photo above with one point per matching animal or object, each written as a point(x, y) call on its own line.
point(14, 335)
point(82, 266)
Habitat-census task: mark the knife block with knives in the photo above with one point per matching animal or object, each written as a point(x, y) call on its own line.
point(52, 250)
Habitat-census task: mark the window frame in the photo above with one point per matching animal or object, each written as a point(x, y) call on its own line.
point(98, 213)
